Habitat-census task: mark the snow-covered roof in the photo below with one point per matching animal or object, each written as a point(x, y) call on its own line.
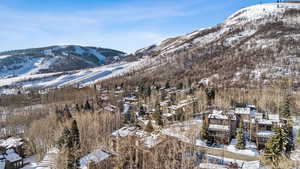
point(11, 142)
point(96, 157)
point(259, 116)
point(152, 140)
point(248, 110)
point(165, 103)
point(211, 166)
point(128, 131)
point(110, 108)
point(12, 156)
point(126, 108)
point(217, 114)
point(240, 110)
point(265, 133)
point(274, 118)
point(215, 127)
point(264, 121)
point(168, 114)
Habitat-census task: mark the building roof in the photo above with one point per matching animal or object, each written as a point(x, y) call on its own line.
point(11, 142)
point(264, 121)
point(218, 114)
point(128, 131)
point(274, 118)
point(265, 133)
point(215, 127)
point(96, 157)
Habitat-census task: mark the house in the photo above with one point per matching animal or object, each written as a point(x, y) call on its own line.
point(221, 126)
point(110, 109)
point(262, 128)
point(98, 159)
point(245, 114)
point(184, 108)
point(132, 138)
point(9, 159)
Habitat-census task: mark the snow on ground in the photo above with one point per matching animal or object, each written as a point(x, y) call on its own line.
point(48, 161)
point(96, 157)
point(185, 131)
point(260, 12)
point(228, 161)
point(250, 150)
point(4, 56)
point(211, 166)
point(100, 57)
point(152, 140)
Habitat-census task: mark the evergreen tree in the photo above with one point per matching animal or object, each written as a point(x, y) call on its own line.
point(77, 107)
point(285, 109)
point(180, 85)
point(132, 117)
point(298, 138)
point(87, 105)
point(142, 111)
point(241, 142)
point(148, 92)
point(59, 114)
point(167, 85)
point(149, 127)
point(70, 159)
point(278, 145)
point(65, 141)
point(210, 93)
point(204, 131)
point(74, 131)
point(158, 115)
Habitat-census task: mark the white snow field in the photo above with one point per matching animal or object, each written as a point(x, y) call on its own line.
point(79, 78)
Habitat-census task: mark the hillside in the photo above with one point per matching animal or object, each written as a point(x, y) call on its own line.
point(55, 59)
point(259, 42)
point(58, 66)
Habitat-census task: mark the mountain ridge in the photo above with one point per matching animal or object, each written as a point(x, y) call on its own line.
point(255, 43)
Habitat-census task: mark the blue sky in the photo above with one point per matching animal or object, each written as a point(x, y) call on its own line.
point(119, 24)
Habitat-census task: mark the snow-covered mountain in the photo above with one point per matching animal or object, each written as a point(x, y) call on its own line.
point(55, 59)
point(259, 42)
point(58, 66)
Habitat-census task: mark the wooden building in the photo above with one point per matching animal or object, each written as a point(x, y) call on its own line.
point(221, 127)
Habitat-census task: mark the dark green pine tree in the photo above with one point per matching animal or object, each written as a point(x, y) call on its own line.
point(158, 114)
point(285, 109)
point(71, 159)
point(142, 111)
point(148, 92)
point(167, 85)
point(240, 139)
point(87, 105)
point(210, 93)
point(77, 107)
point(279, 145)
point(65, 140)
point(204, 131)
point(74, 131)
point(133, 117)
point(149, 127)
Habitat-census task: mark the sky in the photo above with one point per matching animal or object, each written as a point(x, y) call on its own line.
point(126, 25)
